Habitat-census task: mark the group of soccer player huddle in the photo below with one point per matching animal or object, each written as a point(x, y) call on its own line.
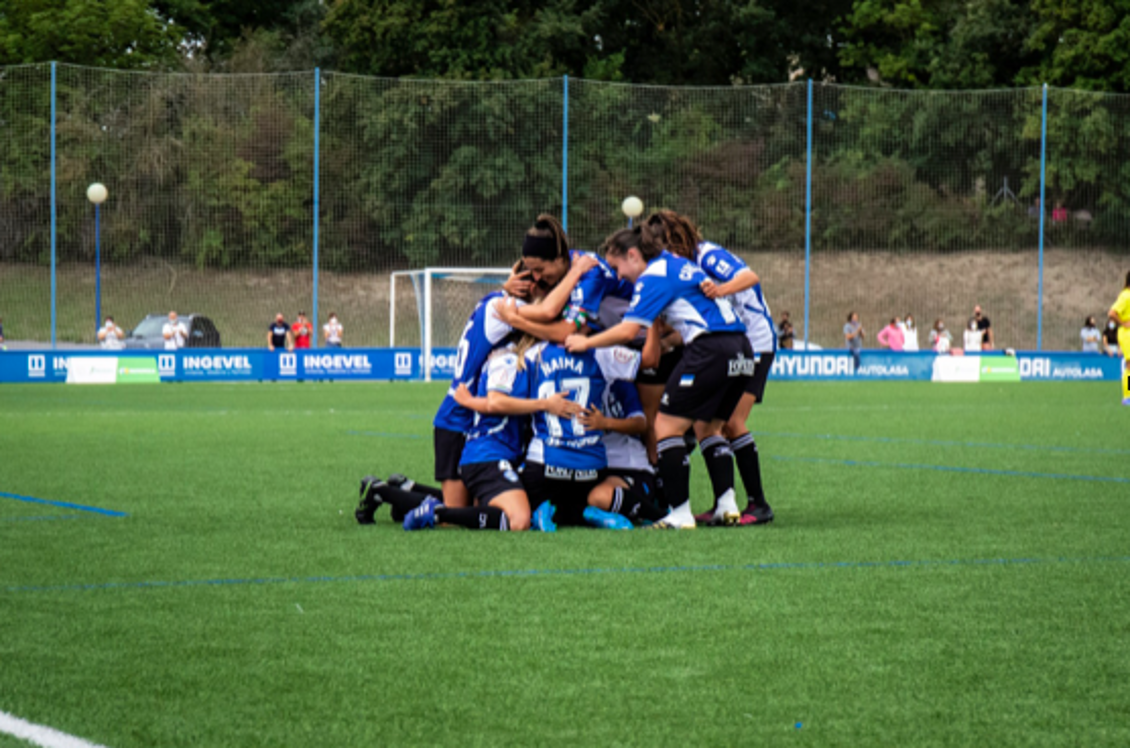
point(582, 387)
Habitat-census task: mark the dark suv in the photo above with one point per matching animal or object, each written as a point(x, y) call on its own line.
point(202, 333)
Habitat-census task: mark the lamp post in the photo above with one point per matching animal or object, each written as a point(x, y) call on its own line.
point(632, 207)
point(97, 194)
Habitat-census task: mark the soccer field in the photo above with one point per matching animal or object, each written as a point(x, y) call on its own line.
point(949, 566)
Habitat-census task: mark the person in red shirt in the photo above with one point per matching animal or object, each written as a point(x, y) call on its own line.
point(302, 331)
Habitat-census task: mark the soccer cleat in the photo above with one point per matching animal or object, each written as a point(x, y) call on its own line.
point(725, 512)
point(756, 515)
point(423, 516)
point(606, 520)
point(542, 518)
point(370, 500)
point(676, 520)
point(401, 481)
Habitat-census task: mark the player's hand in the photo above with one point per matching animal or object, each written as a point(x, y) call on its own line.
point(560, 405)
point(584, 263)
point(709, 289)
point(576, 343)
point(520, 284)
point(463, 395)
point(592, 419)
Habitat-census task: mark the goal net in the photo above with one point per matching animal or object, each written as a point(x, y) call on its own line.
point(429, 307)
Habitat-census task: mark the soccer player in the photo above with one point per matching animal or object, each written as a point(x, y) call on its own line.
point(732, 279)
point(595, 300)
point(1120, 315)
point(706, 385)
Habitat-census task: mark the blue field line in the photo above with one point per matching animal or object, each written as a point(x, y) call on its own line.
point(954, 469)
point(41, 518)
point(942, 443)
point(526, 573)
point(384, 434)
point(64, 504)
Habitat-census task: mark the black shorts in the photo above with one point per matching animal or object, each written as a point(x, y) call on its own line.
point(756, 384)
point(661, 373)
point(448, 446)
point(709, 381)
point(488, 480)
point(568, 490)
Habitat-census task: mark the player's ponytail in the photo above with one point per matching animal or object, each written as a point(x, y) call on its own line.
point(546, 240)
point(666, 229)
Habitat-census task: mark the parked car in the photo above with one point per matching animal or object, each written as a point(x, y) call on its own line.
point(202, 333)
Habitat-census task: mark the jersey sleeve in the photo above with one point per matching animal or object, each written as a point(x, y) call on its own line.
point(494, 329)
point(720, 264)
point(587, 295)
point(502, 373)
point(629, 398)
point(650, 297)
point(618, 363)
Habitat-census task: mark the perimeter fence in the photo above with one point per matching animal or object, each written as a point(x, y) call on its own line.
point(240, 196)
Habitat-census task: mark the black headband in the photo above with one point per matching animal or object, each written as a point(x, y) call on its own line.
point(542, 247)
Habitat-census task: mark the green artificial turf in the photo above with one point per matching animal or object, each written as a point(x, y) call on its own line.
point(896, 600)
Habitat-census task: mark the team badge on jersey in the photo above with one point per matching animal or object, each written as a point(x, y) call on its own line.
point(688, 381)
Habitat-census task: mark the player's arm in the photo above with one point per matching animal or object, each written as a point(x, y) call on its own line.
point(550, 308)
point(554, 331)
point(594, 419)
point(742, 280)
point(625, 332)
point(464, 397)
point(652, 348)
point(1114, 315)
point(558, 404)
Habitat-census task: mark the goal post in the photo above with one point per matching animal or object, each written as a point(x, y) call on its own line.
point(456, 305)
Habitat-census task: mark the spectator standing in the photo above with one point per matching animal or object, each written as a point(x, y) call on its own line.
point(891, 336)
point(940, 339)
point(1034, 209)
point(973, 337)
point(1091, 336)
point(853, 337)
point(1110, 338)
point(332, 331)
point(785, 334)
point(909, 333)
point(1059, 213)
point(986, 328)
point(110, 336)
point(174, 332)
point(302, 331)
point(278, 334)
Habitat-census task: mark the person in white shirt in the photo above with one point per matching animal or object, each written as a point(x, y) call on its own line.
point(110, 336)
point(940, 338)
point(174, 332)
point(909, 333)
point(973, 337)
point(332, 330)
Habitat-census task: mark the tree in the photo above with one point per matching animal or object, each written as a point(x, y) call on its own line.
point(1084, 44)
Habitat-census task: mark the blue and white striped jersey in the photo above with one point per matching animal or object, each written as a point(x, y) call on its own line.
point(567, 443)
point(625, 452)
point(722, 265)
point(600, 297)
point(493, 437)
point(670, 286)
point(482, 334)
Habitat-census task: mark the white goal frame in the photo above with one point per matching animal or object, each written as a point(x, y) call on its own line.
point(428, 274)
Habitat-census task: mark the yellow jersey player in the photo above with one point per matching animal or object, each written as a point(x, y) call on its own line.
point(1120, 314)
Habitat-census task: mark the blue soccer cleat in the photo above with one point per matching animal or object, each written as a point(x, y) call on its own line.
point(423, 516)
point(543, 518)
point(606, 520)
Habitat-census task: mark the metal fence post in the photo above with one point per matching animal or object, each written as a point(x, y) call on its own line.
point(317, 127)
point(1043, 210)
point(565, 160)
point(808, 214)
point(53, 203)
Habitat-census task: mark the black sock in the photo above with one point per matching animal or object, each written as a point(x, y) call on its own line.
point(719, 463)
point(473, 517)
point(675, 468)
point(400, 500)
point(749, 466)
point(414, 487)
point(634, 503)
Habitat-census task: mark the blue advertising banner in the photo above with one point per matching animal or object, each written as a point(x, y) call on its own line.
point(368, 364)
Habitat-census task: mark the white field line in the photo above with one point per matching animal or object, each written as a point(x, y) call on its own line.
point(40, 735)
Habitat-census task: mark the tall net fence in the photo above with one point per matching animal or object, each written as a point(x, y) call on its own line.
point(240, 197)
